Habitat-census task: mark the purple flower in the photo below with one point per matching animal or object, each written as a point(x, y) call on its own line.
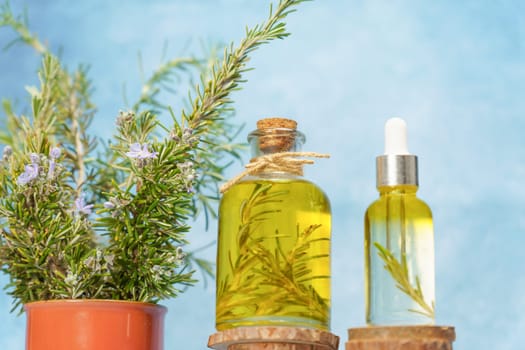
point(7, 152)
point(55, 152)
point(81, 206)
point(51, 171)
point(35, 158)
point(30, 173)
point(139, 151)
point(109, 205)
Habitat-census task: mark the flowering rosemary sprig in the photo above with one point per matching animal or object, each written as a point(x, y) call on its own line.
point(57, 198)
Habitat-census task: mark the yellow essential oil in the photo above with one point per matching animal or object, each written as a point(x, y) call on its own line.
point(399, 240)
point(273, 259)
point(274, 262)
point(400, 223)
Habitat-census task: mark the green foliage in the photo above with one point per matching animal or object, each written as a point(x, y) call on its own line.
point(144, 184)
point(399, 272)
point(20, 26)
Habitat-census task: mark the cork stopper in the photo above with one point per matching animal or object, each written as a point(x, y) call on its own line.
point(276, 135)
point(276, 122)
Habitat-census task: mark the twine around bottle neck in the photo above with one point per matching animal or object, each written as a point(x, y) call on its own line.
point(287, 162)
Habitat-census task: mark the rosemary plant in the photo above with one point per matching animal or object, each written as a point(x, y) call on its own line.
point(85, 218)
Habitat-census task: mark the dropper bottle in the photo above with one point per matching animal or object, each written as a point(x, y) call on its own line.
point(399, 240)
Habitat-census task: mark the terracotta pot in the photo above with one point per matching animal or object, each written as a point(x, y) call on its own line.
point(94, 325)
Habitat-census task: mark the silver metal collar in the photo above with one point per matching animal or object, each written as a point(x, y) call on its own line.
point(396, 170)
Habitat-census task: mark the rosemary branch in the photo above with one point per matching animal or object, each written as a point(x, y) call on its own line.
point(19, 25)
point(226, 77)
point(399, 272)
point(160, 79)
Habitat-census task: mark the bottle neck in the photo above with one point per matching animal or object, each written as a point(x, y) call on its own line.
point(273, 141)
point(398, 190)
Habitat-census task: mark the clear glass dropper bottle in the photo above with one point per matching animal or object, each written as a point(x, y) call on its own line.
point(399, 240)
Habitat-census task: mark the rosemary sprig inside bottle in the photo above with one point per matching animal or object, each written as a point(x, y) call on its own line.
point(271, 267)
point(399, 272)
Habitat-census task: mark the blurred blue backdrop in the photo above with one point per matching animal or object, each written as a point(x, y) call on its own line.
point(455, 70)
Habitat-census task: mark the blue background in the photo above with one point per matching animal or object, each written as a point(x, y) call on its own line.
point(455, 70)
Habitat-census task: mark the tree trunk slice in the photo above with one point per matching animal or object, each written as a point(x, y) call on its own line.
point(401, 338)
point(273, 338)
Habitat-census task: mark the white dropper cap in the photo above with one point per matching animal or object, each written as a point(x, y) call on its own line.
point(397, 166)
point(396, 137)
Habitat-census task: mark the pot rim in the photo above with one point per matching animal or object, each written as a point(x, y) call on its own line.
point(93, 302)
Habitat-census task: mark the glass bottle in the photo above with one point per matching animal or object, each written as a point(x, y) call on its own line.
point(273, 260)
point(399, 240)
